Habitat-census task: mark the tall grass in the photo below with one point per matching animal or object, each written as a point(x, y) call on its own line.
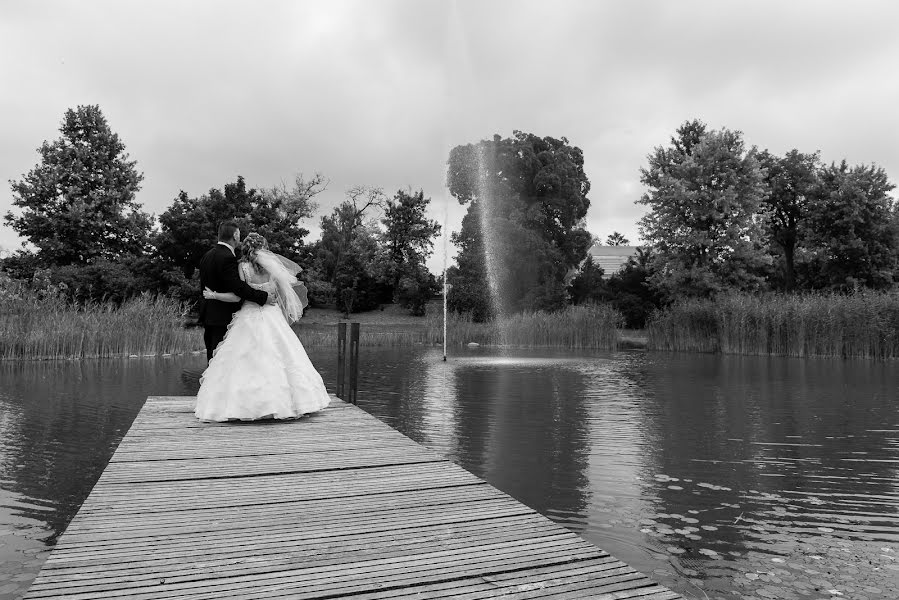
point(590, 326)
point(861, 325)
point(37, 327)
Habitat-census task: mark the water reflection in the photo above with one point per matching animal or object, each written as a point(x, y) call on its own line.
point(60, 422)
point(723, 477)
point(766, 463)
point(716, 475)
point(519, 422)
point(533, 430)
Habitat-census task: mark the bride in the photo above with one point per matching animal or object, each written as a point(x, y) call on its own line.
point(260, 370)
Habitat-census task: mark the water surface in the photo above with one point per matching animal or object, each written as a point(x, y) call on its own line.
point(720, 477)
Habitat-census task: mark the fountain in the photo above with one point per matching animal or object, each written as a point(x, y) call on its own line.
point(460, 80)
point(486, 215)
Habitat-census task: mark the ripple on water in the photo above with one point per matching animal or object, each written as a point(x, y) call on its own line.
point(725, 477)
point(59, 424)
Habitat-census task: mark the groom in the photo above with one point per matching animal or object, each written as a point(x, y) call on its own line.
point(218, 272)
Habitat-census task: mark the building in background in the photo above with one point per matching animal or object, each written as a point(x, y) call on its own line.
point(611, 258)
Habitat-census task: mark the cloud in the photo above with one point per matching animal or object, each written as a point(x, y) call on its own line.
point(377, 93)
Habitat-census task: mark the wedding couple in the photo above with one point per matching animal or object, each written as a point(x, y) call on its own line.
point(257, 366)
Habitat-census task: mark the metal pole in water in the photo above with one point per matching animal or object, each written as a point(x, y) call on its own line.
point(444, 311)
point(341, 359)
point(445, 287)
point(354, 361)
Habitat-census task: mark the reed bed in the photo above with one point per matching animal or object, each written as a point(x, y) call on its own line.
point(581, 327)
point(861, 325)
point(40, 328)
point(461, 329)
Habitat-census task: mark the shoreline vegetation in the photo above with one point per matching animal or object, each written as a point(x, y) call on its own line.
point(49, 328)
point(46, 327)
point(860, 325)
point(576, 327)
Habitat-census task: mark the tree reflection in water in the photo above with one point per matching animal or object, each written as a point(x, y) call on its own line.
point(750, 475)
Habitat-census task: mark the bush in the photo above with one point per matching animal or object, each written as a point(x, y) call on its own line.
point(20, 266)
point(101, 281)
point(468, 298)
point(416, 290)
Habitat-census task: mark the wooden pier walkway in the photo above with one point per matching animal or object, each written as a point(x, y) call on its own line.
point(335, 505)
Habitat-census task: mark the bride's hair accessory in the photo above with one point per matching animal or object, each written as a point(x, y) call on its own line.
point(252, 244)
point(254, 241)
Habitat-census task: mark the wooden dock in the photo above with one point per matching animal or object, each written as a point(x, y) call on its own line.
point(334, 505)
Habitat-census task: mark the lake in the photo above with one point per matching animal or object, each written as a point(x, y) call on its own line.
point(718, 476)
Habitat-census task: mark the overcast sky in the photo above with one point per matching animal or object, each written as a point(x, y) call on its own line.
point(376, 92)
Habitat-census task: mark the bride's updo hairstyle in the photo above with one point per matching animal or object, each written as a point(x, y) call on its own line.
point(251, 244)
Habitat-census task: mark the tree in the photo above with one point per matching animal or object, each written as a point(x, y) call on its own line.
point(704, 219)
point(468, 277)
point(791, 179)
point(616, 239)
point(351, 218)
point(527, 199)
point(407, 241)
point(190, 225)
point(356, 275)
point(346, 254)
point(279, 211)
point(416, 288)
point(849, 235)
point(629, 290)
point(588, 285)
point(78, 204)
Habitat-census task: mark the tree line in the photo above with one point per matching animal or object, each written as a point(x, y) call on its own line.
point(720, 217)
point(723, 217)
point(90, 239)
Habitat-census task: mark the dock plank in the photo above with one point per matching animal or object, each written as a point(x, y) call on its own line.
point(335, 504)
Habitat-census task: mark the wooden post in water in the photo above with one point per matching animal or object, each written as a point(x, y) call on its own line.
point(354, 361)
point(341, 359)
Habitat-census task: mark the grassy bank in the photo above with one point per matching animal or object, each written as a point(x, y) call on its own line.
point(36, 328)
point(863, 325)
point(593, 327)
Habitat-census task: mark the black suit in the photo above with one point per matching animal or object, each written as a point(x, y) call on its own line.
point(218, 272)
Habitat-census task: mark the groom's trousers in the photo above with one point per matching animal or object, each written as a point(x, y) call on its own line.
point(212, 337)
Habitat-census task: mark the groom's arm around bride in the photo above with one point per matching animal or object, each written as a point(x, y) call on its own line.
point(218, 272)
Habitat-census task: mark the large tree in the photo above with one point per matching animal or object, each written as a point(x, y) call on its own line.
point(704, 220)
point(407, 240)
point(469, 292)
point(78, 204)
point(791, 180)
point(346, 254)
point(849, 235)
point(352, 218)
point(527, 200)
point(190, 225)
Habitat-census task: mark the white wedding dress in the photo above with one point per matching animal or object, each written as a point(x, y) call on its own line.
point(260, 370)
